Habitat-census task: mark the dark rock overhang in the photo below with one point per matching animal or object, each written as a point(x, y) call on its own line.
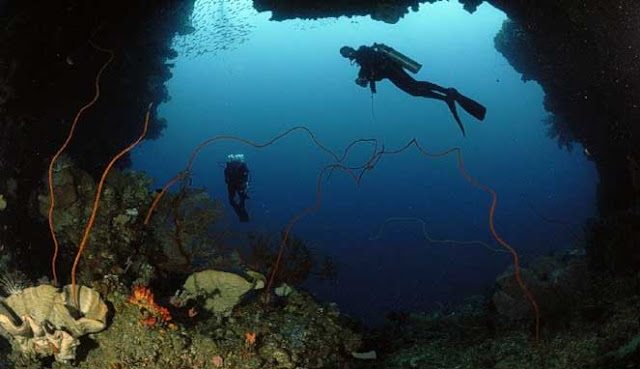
point(50, 54)
point(389, 11)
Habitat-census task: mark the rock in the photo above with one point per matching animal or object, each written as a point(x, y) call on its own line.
point(509, 299)
point(555, 282)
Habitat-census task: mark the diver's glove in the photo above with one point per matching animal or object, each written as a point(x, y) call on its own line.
point(362, 82)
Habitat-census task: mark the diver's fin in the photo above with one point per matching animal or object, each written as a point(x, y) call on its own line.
point(471, 106)
point(451, 103)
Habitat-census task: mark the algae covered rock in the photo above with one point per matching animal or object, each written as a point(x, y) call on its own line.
point(128, 344)
point(557, 283)
point(43, 322)
point(222, 290)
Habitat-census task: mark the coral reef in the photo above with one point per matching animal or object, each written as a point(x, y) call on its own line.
point(587, 322)
point(297, 333)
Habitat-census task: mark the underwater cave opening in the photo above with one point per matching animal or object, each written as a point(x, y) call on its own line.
point(241, 74)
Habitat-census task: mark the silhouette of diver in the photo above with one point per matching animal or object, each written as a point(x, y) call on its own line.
point(236, 175)
point(380, 61)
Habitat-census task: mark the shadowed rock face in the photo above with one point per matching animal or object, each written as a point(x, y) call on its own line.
point(586, 56)
point(389, 11)
point(47, 71)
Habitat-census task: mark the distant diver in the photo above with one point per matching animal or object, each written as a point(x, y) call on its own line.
point(236, 175)
point(380, 61)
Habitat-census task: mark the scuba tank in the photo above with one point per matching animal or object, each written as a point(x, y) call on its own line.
point(406, 62)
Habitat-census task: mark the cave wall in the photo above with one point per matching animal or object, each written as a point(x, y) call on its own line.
point(586, 57)
point(47, 72)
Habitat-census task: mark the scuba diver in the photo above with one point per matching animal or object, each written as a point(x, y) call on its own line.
point(381, 61)
point(236, 175)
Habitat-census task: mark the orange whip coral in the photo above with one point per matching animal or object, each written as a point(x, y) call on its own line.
point(52, 201)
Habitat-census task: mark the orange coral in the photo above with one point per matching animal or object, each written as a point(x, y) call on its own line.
point(142, 297)
point(250, 338)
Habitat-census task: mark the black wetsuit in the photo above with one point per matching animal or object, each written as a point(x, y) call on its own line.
point(375, 66)
point(236, 175)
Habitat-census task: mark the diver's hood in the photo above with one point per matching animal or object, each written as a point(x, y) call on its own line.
point(236, 157)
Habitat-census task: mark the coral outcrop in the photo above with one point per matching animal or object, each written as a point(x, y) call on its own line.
point(298, 332)
point(118, 225)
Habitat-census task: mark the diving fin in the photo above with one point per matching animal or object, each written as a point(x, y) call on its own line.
point(451, 103)
point(471, 106)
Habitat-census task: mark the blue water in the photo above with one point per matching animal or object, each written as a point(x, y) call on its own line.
point(241, 74)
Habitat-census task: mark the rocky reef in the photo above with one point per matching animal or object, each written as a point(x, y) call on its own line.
point(295, 331)
point(588, 321)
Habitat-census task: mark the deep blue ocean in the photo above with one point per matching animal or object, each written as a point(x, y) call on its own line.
point(241, 74)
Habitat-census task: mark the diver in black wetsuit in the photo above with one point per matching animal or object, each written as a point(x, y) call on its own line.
point(376, 64)
point(236, 175)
